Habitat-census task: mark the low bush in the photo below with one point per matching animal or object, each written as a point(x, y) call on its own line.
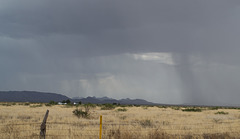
point(146, 123)
point(90, 105)
point(192, 109)
point(86, 113)
point(221, 112)
point(27, 104)
point(66, 101)
point(6, 104)
point(145, 107)
point(53, 103)
point(213, 108)
point(162, 106)
point(175, 108)
point(47, 104)
point(122, 109)
point(80, 113)
point(107, 107)
point(123, 106)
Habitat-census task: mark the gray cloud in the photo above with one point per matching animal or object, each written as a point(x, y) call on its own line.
point(70, 44)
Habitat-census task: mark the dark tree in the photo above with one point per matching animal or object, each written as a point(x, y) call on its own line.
point(68, 101)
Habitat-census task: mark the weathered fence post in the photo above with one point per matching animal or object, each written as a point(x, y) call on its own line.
point(43, 126)
point(100, 132)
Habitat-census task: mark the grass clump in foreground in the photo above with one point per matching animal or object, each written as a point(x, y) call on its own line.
point(146, 123)
point(80, 113)
point(86, 113)
point(221, 112)
point(192, 110)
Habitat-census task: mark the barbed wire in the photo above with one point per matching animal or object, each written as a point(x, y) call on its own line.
point(72, 129)
point(97, 122)
point(124, 130)
point(121, 124)
point(182, 129)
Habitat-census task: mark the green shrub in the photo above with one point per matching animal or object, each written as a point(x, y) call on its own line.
point(86, 113)
point(90, 105)
point(80, 113)
point(129, 105)
point(213, 108)
point(162, 106)
point(221, 112)
point(13, 103)
point(53, 103)
point(27, 103)
point(123, 106)
point(107, 107)
point(135, 105)
point(66, 101)
point(47, 104)
point(122, 109)
point(175, 108)
point(116, 104)
point(192, 109)
point(6, 104)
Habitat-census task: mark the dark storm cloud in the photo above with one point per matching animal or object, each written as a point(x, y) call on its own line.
point(124, 26)
point(62, 41)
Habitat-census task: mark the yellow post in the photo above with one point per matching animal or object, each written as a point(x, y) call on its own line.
point(100, 133)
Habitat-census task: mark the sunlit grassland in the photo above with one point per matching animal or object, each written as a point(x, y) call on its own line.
point(22, 120)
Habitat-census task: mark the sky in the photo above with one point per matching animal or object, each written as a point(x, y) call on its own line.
point(172, 52)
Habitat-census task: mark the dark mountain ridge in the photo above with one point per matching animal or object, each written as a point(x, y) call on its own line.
point(105, 100)
point(45, 97)
point(30, 96)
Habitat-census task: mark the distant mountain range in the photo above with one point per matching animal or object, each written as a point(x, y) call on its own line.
point(30, 96)
point(105, 100)
point(33, 96)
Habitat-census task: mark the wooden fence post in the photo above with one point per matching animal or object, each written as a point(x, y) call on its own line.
point(100, 132)
point(43, 126)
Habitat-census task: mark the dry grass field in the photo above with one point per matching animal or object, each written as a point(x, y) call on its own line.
point(23, 121)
